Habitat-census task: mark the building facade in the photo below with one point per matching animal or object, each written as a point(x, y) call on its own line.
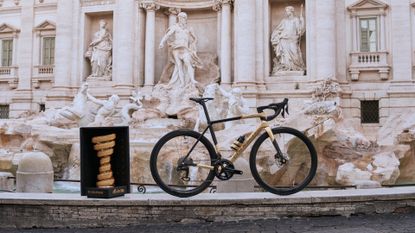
point(367, 46)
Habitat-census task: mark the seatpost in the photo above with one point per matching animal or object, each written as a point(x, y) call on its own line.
point(210, 126)
point(206, 111)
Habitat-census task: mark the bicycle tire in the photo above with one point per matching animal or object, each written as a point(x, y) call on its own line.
point(290, 177)
point(164, 158)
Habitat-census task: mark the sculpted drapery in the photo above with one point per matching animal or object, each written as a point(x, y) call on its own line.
point(285, 39)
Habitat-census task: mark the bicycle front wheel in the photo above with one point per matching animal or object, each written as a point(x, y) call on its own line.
point(175, 172)
point(291, 176)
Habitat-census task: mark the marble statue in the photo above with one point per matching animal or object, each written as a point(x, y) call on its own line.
point(67, 116)
point(225, 104)
point(237, 105)
point(78, 108)
point(107, 108)
point(285, 39)
point(134, 105)
point(100, 52)
point(182, 45)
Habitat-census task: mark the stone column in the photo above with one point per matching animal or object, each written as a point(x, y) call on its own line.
point(150, 7)
point(382, 37)
point(244, 25)
point(172, 12)
point(354, 32)
point(61, 94)
point(226, 43)
point(63, 46)
point(401, 43)
point(260, 49)
point(22, 98)
point(218, 8)
point(325, 38)
point(140, 46)
point(124, 41)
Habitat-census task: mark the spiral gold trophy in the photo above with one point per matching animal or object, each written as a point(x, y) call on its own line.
point(104, 146)
point(105, 161)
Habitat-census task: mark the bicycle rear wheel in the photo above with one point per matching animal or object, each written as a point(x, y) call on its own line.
point(289, 177)
point(169, 155)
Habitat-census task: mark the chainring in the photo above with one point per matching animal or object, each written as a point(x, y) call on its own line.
point(224, 169)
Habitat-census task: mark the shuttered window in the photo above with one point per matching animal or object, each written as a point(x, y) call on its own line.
point(368, 35)
point(6, 52)
point(48, 51)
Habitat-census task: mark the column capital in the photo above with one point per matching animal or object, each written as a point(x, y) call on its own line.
point(217, 6)
point(173, 11)
point(149, 5)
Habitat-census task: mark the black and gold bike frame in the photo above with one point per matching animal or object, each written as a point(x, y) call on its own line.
point(262, 126)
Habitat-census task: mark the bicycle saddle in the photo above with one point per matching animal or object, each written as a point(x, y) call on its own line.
point(200, 100)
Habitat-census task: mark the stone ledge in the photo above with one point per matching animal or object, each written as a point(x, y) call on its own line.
point(26, 210)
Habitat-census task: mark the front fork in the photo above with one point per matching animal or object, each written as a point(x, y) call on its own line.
point(279, 155)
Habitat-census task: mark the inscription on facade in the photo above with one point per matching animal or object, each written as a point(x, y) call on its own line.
point(96, 2)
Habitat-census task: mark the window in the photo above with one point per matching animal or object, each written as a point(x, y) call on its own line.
point(42, 107)
point(48, 52)
point(368, 35)
point(369, 110)
point(6, 52)
point(4, 111)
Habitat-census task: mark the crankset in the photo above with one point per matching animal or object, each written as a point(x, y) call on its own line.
point(224, 169)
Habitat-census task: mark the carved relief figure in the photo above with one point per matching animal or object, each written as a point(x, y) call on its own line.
point(182, 44)
point(100, 52)
point(286, 39)
point(107, 108)
point(237, 105)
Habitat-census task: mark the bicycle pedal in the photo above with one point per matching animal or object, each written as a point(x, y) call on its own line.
point(237, 172)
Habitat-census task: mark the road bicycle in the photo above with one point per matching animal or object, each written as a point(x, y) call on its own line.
point(282, 160)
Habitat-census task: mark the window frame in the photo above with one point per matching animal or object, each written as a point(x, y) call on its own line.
point(42, 50)
point(359, 31)
point(364, 112)
point(10, 57)
point(7, 106)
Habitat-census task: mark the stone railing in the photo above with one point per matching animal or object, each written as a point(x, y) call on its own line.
point(367, 61)
point(8, 74)
point(42, 73)
point(8, 71)
point(45, 69)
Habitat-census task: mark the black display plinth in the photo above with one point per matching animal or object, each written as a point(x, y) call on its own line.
point(90, 163)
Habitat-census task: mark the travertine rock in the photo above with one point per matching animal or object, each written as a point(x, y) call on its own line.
point(34, 173)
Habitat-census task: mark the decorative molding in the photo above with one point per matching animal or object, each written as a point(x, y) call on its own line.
point(217, 6)
point(219, 3)
point(186, 4)
point(174, 10)
point(45, 26)
point(368, 5)
point(149, 5)
point(5, 28)
point(96, 2)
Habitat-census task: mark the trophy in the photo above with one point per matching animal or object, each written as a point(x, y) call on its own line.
point(104, 145)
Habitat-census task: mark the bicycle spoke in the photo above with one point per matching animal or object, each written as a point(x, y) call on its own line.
point(176, 172)
point(286, 173)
